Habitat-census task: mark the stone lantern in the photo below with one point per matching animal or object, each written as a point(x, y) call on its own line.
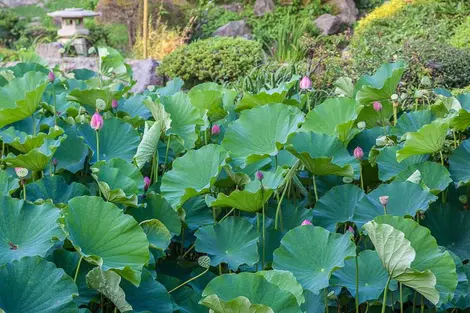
point(72, 29)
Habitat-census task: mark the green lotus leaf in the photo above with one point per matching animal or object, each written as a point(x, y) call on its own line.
point(209, 101)
point(8, 184)
point(405, 198)
point(433, 175)
point(158, 112)
point(322, 154)
point(428, 139)
point(156, 207)
point(344, 86)
point(372, 276)
point(118, 139)
point(87, 97)
point(172, 87)
point(286, 281)
point(250, 101)
point(185, 298)
point(380, 86)
point(397, 254)
point(367, 140)
point(261, 132)
point(193, 174)
point(462, 286)
point(312, 253)
point(410, 122)
point(255, 288)
point(24, 142)
point(224, 244)
point(20, 69)
point(334, 117)
point(72, 152)
point(107, 237)
point(157, 234)
point(462, 121)
point(34, 285)
point(27, 229)
point(20, 98)
point(54, 188)
point(389, 166)
point(428, 254)
point(184, 119)
point(313, 302)
point(149, 297)
point(37, 159)
point(464, 302)
point(337, 206)
point(119, 181)
point(136, 112)
point(107, 283)
point(239, 304)
point(197, 213)
point(373, 118)
point(149, 144)
point(458, 164)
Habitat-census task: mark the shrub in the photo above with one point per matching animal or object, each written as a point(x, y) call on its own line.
point(214, 59)
point(461, 38)
point(11, 28)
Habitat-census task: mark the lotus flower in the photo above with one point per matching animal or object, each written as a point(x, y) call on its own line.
point(21, 172)
point(96, 121)
point(146, 183)
point(305, 83)
point(51, 77)
point(259, 175)
point(358, 153)
point(306, 222)
point(377, 106)
point(215, 130)
point(350, 229)
point(114, 104)
point(383, 200)
point(55, 162)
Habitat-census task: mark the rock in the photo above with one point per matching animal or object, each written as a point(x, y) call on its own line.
point(263, 6)
point(234, 29)
point(49, 50)
point(145, 73)
point(348, 10)
point(17, 3)
point(234, 7)
point(328, 24)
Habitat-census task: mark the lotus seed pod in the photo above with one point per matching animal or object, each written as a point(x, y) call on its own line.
point(21, 172)
point(204, 261)
point(347, 180)
point(394, 97)
point(361, 125)
point(100, 104)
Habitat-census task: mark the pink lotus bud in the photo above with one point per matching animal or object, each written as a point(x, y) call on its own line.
point(21, 172)
point(259, 175)
point(306, 222)
point(383, 200)
point(55, 162)
point(305, 83)
point(358, 153)
point(51, 77)
point(114, 104)
point(350, 229)
point(146, 183)
point(377, 106)
point(215, 130)
point(96, 121)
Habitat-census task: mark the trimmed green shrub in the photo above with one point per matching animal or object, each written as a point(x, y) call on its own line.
point(215, 59)
point(461, 38)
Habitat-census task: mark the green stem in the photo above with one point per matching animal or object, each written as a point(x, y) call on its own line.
point(384, 301)
point(187, 251)
point(205, 137)
point(264, 238)
point(315, 188)
point(233, 209)
point(414, 303)
point(188, 281)
point(455, 140)
point(422, 304)
point(156, 165)
point(24, 190)
point(401, 298)
point(362, 179)
point(367, 307)
point(357, 283)
point(97, 146)
point(442, 157)
point(78, 269)
point(167, 149)
point(326, 300)
point(54, 104)
point(279, 205)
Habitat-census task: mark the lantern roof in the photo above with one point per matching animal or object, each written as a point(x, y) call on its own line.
point(73, 13)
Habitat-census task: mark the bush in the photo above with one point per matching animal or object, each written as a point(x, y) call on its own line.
point(461, 38)
point(11, 28)
point(215, 59)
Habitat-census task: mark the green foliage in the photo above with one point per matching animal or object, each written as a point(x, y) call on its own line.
point(460, 38)
point(11, 28)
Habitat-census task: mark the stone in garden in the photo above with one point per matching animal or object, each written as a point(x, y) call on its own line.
point(347, 8)
point(234, 29)
point(234, 7)
point(18, 3)
point(263, 6)
point(328, 24)
point(145, 73)
point(49, 50)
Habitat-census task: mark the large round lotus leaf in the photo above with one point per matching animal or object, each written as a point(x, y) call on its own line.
point(20, 97)
point(334, 117)
point(337, 206)
point(34, 285)
point(322, 154)
point(432, 175)
point(458, 164)
point(193, 174)
point(286, 281)
point(312, 253)
point(254, 287)
point(105, 236)
point(462, 285)
point(87, 97)
point(8, 184)
point(27, 229)
point(22, 68)
point(197, 213)
point(380, 86)
point(24, 142)
point(292, 214)
point(428, 254)
point(372, 276)
point(149, 297)
point(261, 131)
point(428, 139)
point(184, 119)
point(450, 226)
point(207, 101)
point(119, 181)
point(250, 101)
point(405, 198)
point(411, 122)
point(389, 166)
point(135, 109)
point(54, 188)
point(158, 235)
point(224, 243)
point(185, 298)
point(366, 139)
point(462, 121)
point(118, 139)
point(72, 152)
point(374, 119)
point(464, 302)
point(313, 302)
point(239, 304)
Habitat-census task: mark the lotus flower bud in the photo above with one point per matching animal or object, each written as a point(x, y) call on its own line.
point(146, 183)
point(114, 104)
point(358, 153)
point(383, 200)
point(204, 261)
point(377, 106)
point(215, 130)
point(51, 77)
point(96, 121)
point(350, 229)
point(100, 105)
point(305, 83)
point(361, 125)
point(259, 175)
point(55, 162)
point(306, 222)
point(21, 172)
point(463, 199)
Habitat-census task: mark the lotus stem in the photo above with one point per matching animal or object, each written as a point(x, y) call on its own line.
point(24, 189)
point(187, 251)
point(360, 174)
point(167, 149)
point(422, 304)
point(189, 280)
point(401, 297)
point(442, 157)
point(97, 146)
point(455, 140)
point(367, 307)
point(326, 300)
point(315, 188)
point(78, 269)
point(384, 302)
point(357, 283)
point(233, 209)
point(279, 204)
point(414, 297)
point(54, 104)
point(264, 237)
